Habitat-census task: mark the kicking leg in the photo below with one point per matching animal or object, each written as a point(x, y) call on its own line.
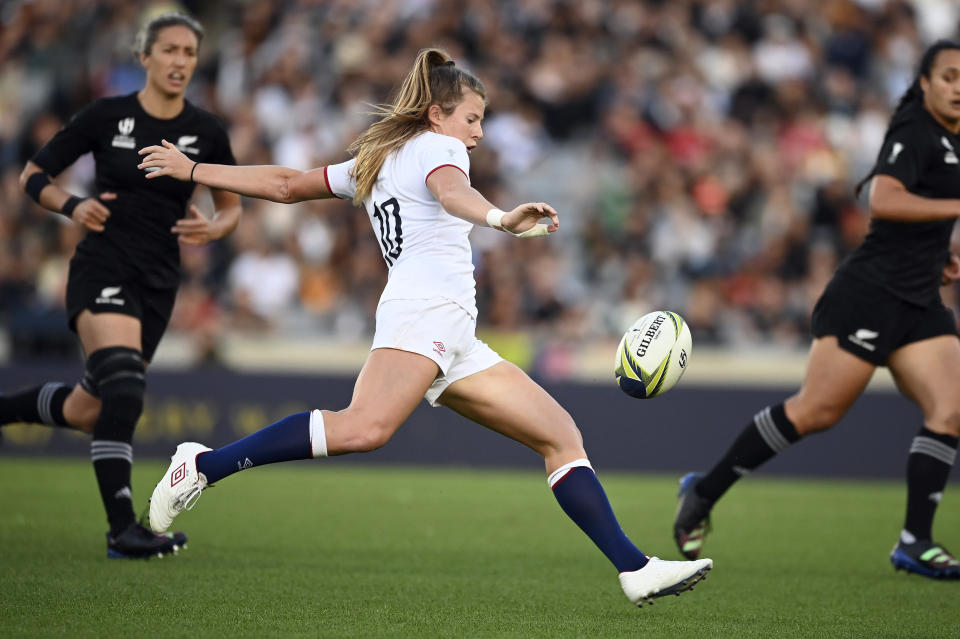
point(504, 399)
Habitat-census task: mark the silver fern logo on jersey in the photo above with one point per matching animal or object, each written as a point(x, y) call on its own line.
point(185, 144)
point(950, 157)
point(123, 140)
point(895, 152)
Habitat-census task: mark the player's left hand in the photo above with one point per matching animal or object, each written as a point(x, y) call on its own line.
point(951, 272)
point(194, 229)
point(165, 159)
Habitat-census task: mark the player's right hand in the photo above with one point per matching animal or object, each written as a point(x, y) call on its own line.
point(165, 159)
point(91, 213)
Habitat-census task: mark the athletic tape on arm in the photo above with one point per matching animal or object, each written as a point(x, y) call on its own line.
point(495, 220)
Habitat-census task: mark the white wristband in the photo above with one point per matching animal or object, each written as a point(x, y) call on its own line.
point(494, 218)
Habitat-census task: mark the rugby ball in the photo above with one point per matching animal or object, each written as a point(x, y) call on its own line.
point(653, 354)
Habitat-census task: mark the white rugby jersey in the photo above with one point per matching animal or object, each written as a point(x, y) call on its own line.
point(426, 249)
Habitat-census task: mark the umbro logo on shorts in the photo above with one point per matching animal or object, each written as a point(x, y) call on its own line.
point(108, 296)
point(861, 336)
point(439, 348)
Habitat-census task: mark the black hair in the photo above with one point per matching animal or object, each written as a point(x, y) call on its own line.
point(912, 99)
point(148, 34)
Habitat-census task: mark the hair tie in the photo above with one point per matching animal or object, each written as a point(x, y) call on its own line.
point(449, 63)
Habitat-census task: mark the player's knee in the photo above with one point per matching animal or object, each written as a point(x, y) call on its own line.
point(82, 418)
point(81, 409)
point(118, 373)
point(361, 431)
point(563, 439)
point(376, 434)
point(809, 419)
point(952, 423)
point(568, 433)
point(363, 441)
point(949, 424)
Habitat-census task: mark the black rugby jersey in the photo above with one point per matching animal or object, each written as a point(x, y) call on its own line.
point(136, 237)
point(907, 258)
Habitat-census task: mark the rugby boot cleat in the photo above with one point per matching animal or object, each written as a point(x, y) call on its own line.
point(659, 578)
point(179, 489)
point(692, 521)
point(138, 542)
point(925, 558)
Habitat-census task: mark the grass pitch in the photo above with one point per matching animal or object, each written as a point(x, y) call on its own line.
point(336, 550)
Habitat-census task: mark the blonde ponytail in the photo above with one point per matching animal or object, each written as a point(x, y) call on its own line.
point(433, 79)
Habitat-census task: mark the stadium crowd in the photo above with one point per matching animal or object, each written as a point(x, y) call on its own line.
point(702, 153)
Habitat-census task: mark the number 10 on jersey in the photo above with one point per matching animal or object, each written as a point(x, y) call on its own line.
point(389, 230)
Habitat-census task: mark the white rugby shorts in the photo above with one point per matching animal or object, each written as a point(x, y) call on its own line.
point(436, 328)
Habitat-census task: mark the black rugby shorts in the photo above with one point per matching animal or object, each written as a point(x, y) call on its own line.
point(870, 322)
point(97, 288)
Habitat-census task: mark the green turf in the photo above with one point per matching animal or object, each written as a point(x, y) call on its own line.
point(342, 551)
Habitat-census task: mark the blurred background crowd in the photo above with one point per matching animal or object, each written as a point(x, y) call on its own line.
point(702, 155)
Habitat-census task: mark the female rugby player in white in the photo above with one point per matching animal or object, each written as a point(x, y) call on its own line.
point(411, 172)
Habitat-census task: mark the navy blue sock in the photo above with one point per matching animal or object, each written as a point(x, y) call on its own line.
point(285, 440)
point(582, 497)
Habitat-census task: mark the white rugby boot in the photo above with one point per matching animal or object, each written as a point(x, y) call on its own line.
point(659, 578)
point(180, 487)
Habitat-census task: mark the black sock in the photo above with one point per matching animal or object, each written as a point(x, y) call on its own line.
point(928, 468)
point(768, 434)
point(112, 462)
point(37, 405)
point(118, 373)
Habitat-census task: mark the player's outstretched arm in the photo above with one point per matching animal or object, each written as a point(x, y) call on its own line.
point(266, 182)
point(457, 197)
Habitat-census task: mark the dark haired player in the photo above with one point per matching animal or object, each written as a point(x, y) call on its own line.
point(882, 308)
point(125, 272)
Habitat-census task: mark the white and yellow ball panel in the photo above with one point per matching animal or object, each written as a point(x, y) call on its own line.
point(653, 354)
